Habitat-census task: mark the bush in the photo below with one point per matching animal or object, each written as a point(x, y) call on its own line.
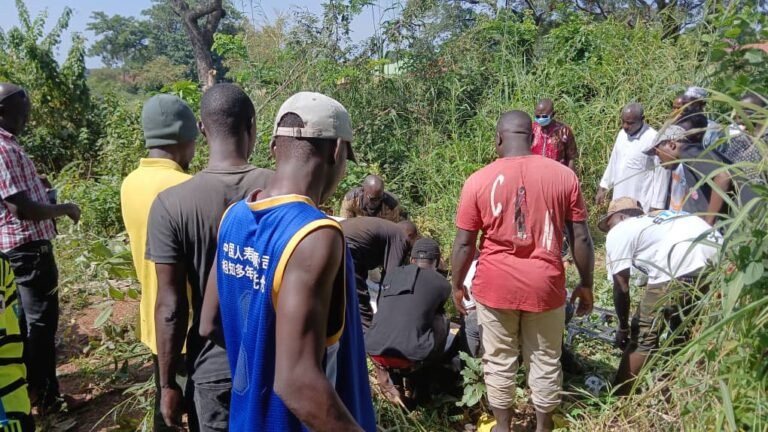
point(98, 198)
point(64, 125)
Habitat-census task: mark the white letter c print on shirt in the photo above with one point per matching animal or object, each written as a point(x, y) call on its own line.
point(496, 207)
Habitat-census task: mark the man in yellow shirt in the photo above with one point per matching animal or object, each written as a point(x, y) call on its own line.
point(170, 130)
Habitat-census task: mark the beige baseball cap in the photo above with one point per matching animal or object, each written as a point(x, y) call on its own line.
point(626, 205)
point(323, 117)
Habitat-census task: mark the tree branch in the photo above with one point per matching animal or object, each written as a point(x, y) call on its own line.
point(206, 9)
point(600, 8)
point(536, 16)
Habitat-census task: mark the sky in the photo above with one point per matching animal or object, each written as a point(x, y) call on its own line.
point(259, 10)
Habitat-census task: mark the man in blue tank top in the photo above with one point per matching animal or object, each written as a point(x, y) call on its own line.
point(281, 295)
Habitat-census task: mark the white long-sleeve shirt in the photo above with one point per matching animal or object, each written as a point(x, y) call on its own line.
point(632, 173)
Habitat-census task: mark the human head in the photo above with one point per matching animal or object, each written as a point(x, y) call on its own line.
point(632, 118)
point(679, 102)
point(697, 99)
point(312, 127)
point(227, 117)
point(695, 126)
point(425, 253)
point(410, 230)
point(750, 98)
point(15, 107)
point(669, 144)
point(544, 112)
point(619, 210)
point(514, 133)
point(170, 125)
point(373, 190)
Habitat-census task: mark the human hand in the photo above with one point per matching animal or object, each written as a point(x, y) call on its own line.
point(73, 212)
point(600, 197)
point(584, 294)
point(459, 294)
point(621, 338)
point(171, 402)
point(45, 181)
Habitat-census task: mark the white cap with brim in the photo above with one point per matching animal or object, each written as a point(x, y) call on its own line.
point(323, 118)
point(669, 133)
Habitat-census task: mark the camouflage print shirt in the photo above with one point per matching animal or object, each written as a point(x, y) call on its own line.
point(353, 206)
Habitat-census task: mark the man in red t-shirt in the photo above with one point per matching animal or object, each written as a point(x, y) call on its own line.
point(521, 203)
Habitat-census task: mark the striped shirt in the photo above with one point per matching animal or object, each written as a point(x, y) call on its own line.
point(18, 174)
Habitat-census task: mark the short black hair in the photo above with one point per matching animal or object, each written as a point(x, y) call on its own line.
point(754, 98)
point(693, 121)
point(225, 109)
point(426, 261)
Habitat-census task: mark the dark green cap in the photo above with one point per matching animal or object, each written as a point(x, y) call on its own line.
point(167, 120)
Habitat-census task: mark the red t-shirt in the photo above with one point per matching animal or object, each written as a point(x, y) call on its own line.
point(520, 204)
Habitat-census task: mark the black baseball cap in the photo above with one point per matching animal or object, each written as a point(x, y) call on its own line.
point(425, 248)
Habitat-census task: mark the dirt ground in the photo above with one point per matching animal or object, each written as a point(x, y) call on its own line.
point(87, 373)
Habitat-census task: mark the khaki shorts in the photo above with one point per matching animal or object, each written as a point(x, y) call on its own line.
point(663, 306)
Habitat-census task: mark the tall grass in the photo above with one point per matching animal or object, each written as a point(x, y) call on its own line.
point(719, 379)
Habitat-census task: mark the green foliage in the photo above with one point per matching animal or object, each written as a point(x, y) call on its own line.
point(187, 91)
point(122, 40)
point(123, 141)
point(424, 95)
point(104, 82)
point(474, 385)
point(738, 65)
point(155, 48)
point(64, 125)
point(157, 73)
point(719, 379)
point(98, 198)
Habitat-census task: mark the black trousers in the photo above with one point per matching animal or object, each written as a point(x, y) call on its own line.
point(212, 401)
point(37, 278)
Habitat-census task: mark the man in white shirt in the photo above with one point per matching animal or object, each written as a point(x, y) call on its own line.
point(630, 172)
point(672, 249)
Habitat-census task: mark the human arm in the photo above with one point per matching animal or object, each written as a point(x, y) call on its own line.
point(725, 184)
point(660, 185)
point(607, 181)
point(461, 259)
point(395, 250)
point(24, 208)
point(584, 259)
point(347, 206)
point(571, 151)
point(302, 312)
point(171, 320)
point(171, 305)
point(621, 304)
point(210, 317)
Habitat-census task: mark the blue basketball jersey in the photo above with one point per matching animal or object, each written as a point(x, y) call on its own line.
point(255, 242)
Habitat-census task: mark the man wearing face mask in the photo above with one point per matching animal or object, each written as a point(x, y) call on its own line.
point(551, 138)
point(630, 171)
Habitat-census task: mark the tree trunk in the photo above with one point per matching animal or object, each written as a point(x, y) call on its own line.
point(201, 34)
